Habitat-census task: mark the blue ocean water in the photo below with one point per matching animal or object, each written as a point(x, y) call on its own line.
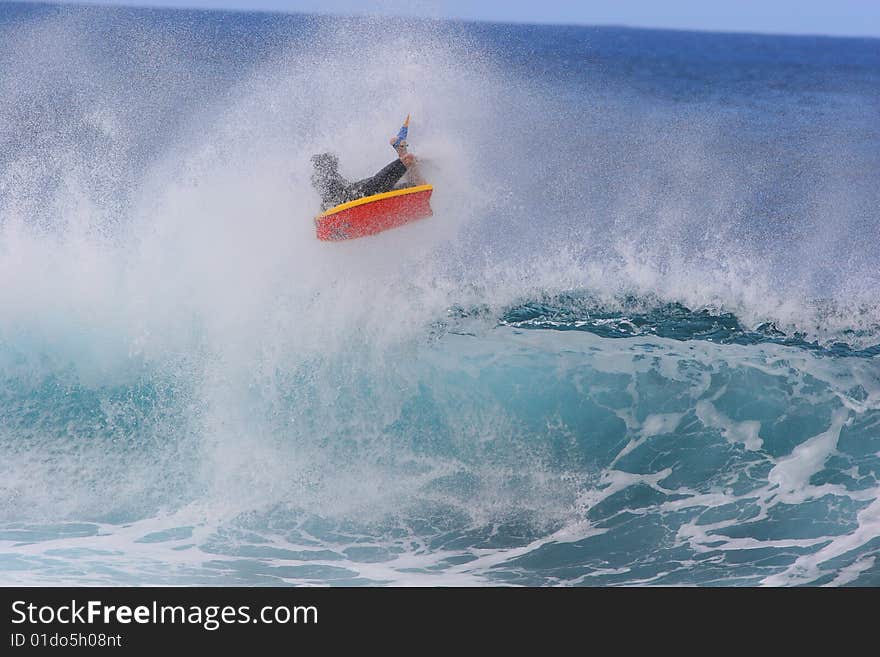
point(637, 344)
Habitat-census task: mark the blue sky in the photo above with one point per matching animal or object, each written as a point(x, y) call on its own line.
point(837, 17)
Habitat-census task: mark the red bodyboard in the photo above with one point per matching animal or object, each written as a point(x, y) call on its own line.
point(374, 214)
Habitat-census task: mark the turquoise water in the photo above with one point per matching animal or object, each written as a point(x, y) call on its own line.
point(637, 343)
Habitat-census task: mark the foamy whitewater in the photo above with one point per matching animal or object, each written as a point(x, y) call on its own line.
point(637, 343)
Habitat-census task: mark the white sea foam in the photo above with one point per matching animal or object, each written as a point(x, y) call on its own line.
point(178, 351)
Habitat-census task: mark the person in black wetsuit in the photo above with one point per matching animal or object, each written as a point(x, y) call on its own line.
point(334, 189)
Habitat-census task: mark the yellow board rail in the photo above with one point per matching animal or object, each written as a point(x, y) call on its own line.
point(375, 197)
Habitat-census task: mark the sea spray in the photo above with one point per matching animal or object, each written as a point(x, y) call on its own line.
point(636, 343)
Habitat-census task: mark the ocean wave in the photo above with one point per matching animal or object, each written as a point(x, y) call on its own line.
point(637, 343)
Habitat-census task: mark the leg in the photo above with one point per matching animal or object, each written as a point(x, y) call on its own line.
point(383, 181)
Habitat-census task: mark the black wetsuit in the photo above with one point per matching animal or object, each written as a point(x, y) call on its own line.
point(334, 189)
